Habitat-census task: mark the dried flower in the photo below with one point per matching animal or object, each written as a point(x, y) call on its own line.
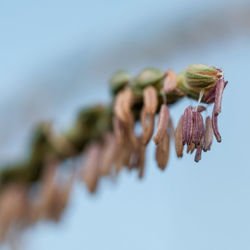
point(163, 123)
point(170, 82)
point(147, 122)
point(162, 150)
point(162, 137)
point(123, 104)
point(150, 100)
point(178, 139)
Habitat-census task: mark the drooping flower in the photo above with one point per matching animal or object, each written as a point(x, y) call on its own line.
point(147, 123)
point(192, 131)
point(162, 137)
point(205, 84)
point(162, 150)
point(163, 122)
point(150, 100)
point(150, 105)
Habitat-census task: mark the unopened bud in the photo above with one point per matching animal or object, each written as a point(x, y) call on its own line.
point(119, 80)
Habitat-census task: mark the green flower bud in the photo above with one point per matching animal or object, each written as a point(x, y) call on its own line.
point(197, 77)
point(119, 80)
point(200, 76)
point(149, 76)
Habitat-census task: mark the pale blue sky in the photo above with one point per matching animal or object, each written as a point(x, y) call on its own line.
point(57, 56)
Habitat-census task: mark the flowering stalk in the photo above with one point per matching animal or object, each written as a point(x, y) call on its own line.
point(108, 137)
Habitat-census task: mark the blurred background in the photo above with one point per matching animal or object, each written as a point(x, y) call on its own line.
point(57, 56)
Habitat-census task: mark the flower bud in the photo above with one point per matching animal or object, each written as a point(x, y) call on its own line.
point(149, 76)
point(201, 76)
point(119, 80)
point(197, 77)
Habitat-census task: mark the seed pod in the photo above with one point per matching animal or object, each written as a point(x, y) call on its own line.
point(150, 100)
point(149, 76)
point(170, 82)
point(208, 135)
point(163, 122)
point(162, 151)
point(178, 138)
